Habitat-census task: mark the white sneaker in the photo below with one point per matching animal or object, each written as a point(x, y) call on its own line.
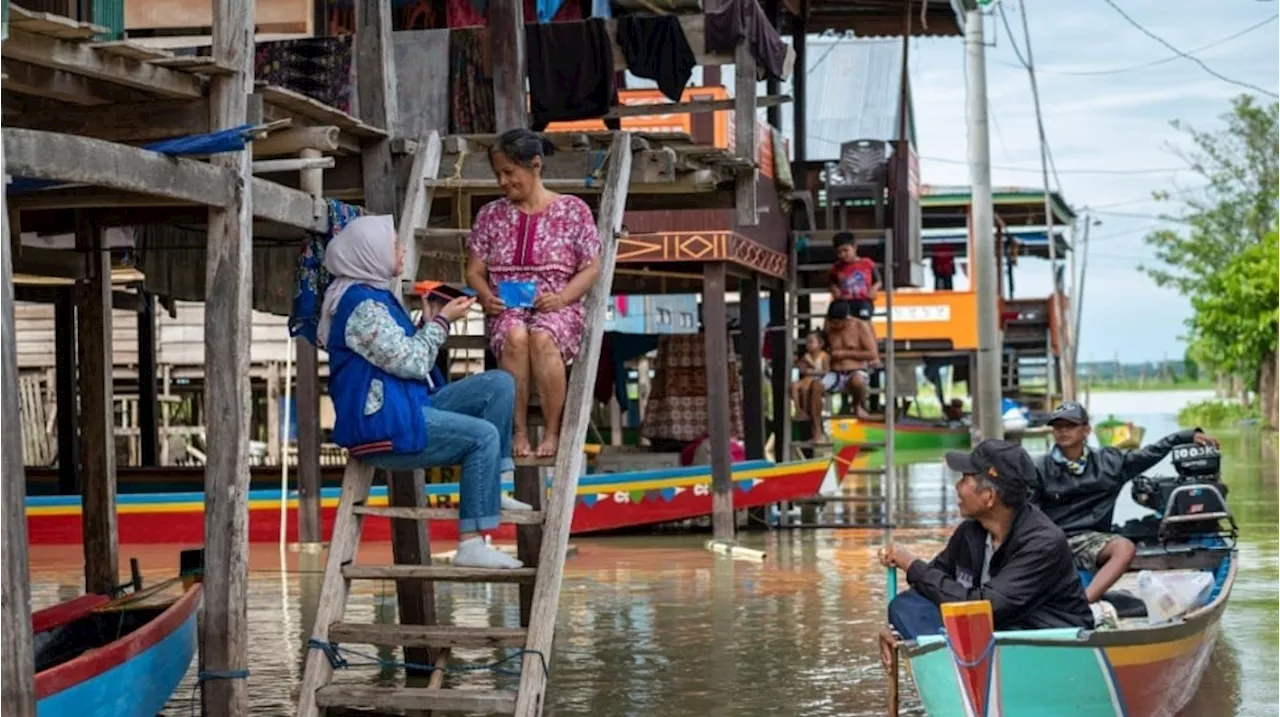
point(509, 503)
point(473, 553)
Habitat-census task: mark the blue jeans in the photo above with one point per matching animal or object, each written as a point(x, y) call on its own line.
point(913, 615)
point(468, 424)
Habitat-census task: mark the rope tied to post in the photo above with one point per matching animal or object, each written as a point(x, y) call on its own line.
point(595, 165)
point(209, 675)
point(338, 657)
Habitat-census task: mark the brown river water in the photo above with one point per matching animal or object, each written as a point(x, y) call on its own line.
point(657, 625)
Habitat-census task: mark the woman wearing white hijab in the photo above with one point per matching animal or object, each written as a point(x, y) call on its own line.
point(393, 407)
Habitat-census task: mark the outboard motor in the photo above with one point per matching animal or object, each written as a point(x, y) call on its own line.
point(1194, 464)
point(1193, 501)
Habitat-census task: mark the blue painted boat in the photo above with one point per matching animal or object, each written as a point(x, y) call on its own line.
point(97, 657)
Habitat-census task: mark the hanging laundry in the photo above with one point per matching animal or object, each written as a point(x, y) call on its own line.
point(318, 67)
point(547, 10)
point(469, 13)
point(729, 21)
point(571, 75)
point(656, 48)
point(470, 82)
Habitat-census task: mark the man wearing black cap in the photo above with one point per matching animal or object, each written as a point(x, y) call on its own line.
point(1006, 552)
point(1077, 488)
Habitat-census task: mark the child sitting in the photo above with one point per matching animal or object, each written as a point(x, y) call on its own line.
point(856, 280)
point(813, 364)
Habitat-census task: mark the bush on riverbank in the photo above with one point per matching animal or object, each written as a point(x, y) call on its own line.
point(1217, 414)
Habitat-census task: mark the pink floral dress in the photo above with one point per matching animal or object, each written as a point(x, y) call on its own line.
point(548, 249)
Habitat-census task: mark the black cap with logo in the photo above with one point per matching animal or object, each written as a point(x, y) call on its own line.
point(1002, 462)
point(1071, 413)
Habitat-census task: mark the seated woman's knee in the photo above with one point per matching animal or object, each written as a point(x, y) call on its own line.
point(516, 340)
point(542, 342)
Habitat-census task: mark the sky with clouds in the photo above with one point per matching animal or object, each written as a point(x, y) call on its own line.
point(1117, 122)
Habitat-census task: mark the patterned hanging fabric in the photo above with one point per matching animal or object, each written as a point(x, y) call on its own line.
point(312, 278)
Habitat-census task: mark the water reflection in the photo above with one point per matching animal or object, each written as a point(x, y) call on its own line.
point(660, 626)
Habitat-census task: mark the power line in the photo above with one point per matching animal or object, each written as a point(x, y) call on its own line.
point(1151, 199)
point(1010, 168)
point(1152, 63)
point(1185, 55)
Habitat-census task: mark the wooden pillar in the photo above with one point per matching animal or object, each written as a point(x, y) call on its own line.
point(744, 131)
point(148, 401)
point(64, 352)
point(17, 670)
point(800, 88)
point(224, 626)
point(714, 321)
point(781, 350)
point(773, 11)
point(98, 452)
point(752, 369)
point(506, 46)
point(308, 407)
point(375, 78)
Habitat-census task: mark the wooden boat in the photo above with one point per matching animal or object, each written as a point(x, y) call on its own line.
point(909, 434)
point(610, 501)
point(1114, 433)
point(1134, 670)
point(97, 657)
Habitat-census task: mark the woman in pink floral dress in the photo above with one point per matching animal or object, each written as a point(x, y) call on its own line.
point(533, 235)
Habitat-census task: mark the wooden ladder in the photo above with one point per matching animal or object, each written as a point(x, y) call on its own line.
point(541, 583)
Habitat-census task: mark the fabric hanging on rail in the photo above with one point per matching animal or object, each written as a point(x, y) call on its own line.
point(470, 82)
point(311, 278)
point(571, 74)
point(656, 48)
point(729, 21)
point(318, 67)
point(678, 401)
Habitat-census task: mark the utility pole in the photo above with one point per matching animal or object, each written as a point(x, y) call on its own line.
point(984, 260)
point(1077, 298)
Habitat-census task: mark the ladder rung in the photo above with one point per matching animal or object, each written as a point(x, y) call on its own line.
point(426, 635)
point(516, 517)
point(444, 573)
point(467, 342)
point(812, 444)
point(822, 499)
point(536, 461)
point(442, 233)
point(865, 471)
point(417, 698)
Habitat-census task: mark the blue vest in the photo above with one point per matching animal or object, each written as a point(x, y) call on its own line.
point(398, 425)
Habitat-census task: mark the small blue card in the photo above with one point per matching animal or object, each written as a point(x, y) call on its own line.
point(517, 294)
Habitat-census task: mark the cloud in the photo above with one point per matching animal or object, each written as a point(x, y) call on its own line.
point(1113, 122)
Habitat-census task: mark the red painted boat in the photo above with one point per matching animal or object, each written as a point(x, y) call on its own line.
point(606, 502)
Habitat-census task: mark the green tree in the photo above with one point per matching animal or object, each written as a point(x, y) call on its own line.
point(1237, 311)
point(1237, 206)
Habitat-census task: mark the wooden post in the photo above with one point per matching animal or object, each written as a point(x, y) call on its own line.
point(376, 82)
point(17, 670)
point(224, 626)
point(781, 350)
point(800, 88)
point(773, 11)
point(744, 128)
point(752, 368)
point(64, 351)
point(308, 403)
point(506, 43)
point(714, 319)
point(166, 390)
point(97, 413)
point(148, 403)
point(273, 413)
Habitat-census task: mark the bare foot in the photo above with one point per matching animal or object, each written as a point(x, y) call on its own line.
point(520, 446)
point(861, 412)
point(547, 449)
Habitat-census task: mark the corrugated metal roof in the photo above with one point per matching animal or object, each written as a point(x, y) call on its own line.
point(853, 87)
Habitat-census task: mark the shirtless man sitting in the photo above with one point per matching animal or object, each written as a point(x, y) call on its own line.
point(851, 354)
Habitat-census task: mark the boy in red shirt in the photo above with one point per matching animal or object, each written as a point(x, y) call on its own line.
point(856, 279)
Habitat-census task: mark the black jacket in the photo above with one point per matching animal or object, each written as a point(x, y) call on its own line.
point(1034, 583)
point(1086, 502)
